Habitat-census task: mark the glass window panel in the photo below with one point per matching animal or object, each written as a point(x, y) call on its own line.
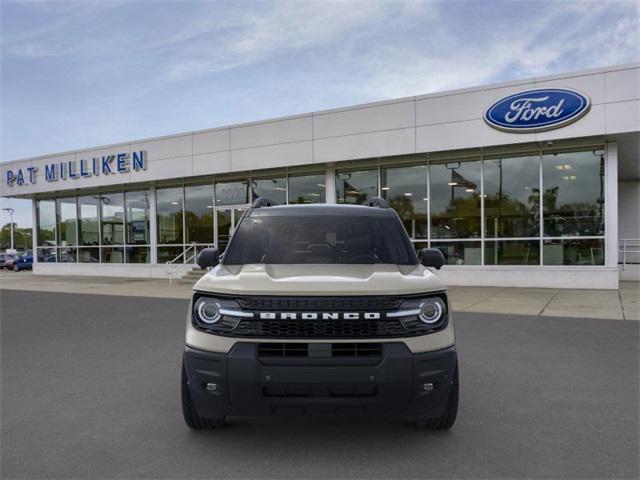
point(512, 197)
point(46, 222)
point(274, 189)
point(198, 213)
point(573, 198)
point(67, 220)
point(405, 188)
point(112, 205)
point(169, 207)
point(460, 253)
point(88, 255)
point(67, 254)
point(47, 254)
point(112, 255)
point(137, 218)
point(307, 188)
point(574, 252)
point(137, 254)
point(512, 252)
point(88, 220)
point(455, 200)
point(166, 254)
point(356, 187)
point(232, 193)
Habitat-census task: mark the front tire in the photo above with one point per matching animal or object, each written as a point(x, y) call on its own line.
point(448, 417)
point(191, 417)
point(16, 268)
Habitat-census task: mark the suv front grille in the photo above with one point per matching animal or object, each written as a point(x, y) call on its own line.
point(353, 350)
point(320, 304)
point(320, 328)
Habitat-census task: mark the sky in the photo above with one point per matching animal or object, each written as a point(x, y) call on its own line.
point(87, 73)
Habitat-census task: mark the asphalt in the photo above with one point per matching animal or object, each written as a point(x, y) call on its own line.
point(90, 389)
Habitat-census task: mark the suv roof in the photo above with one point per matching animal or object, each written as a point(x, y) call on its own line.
point(321, 209)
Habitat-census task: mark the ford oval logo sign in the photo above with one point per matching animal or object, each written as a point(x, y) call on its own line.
point(537, 110)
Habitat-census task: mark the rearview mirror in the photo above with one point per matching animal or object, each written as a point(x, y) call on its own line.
point(431, 257)
point(208, 258)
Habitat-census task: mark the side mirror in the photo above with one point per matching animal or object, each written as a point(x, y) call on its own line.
point(208, 258)
point(431, 257)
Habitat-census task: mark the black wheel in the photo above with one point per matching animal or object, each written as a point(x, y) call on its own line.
point(448, 417)
point(191, 418)
point(16, 268)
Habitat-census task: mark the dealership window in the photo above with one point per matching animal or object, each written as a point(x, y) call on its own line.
point(455, 199)
point(88, 229)
point(574, 251)
point(112, 227)
point(512, 196)
point(232, 193)
point(169, 208)
point(137, 236)
point(198, 214)
point(307, 188)
point(573, 195)
point(67, 216)
point(405, 188)
point(46, 230)
point(275, 189)
point(357, 186)
point(460, 252)
point(512, 252)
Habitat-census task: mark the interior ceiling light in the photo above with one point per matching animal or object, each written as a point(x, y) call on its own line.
point(452, 184)
point(408, 194)
point(385, 188)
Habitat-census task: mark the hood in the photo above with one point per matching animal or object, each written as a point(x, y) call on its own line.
point(331, 279)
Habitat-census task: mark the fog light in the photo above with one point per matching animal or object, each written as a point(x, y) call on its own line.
point(212, 387)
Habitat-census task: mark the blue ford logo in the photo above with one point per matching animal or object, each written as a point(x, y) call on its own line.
point(537, 110)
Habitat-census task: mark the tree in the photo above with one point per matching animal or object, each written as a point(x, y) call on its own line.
point(21, 237)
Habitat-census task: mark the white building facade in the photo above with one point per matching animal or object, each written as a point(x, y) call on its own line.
point(531, 183)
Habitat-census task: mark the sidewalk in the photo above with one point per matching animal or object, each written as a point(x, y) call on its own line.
point(623, 304)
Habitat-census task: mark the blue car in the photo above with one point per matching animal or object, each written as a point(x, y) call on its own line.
point(23, 262)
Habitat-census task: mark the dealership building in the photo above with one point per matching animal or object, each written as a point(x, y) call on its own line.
point(529, 183)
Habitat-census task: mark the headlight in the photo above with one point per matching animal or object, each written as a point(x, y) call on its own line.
point(207, 310)
point(432, 310)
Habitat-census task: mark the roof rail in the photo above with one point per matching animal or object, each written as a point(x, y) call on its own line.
point(375, 202)
point(263, 202)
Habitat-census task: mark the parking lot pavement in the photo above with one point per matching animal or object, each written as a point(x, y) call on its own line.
point(90, 389)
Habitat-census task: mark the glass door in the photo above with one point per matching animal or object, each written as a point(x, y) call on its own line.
point(227, 218)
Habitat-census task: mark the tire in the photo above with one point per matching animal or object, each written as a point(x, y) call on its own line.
point(191, 418)
point(16, 268)
point(448, 417)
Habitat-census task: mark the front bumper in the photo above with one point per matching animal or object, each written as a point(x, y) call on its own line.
point(245, 383)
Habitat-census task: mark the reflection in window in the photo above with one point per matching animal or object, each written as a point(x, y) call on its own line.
point(137, 218)
point(169, 208)
point(405, 188)
point(47, 255)
point(356, 187)
point(67, 254)
point(112, 255)
point(137, 254)
point(512, 197)
point(232, 193)
point(512, 252)
point(272, 188)
point(89, 255)
point(46, 217)
point(198, 213)
point(112, 217)
point(67, 213)
point(455, 200)
point(307, 188)
point(460, 253)
point(88, 227)
point(574, 252)
point(573, 199)
point(166, 254)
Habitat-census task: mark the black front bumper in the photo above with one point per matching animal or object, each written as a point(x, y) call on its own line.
point(244, 383)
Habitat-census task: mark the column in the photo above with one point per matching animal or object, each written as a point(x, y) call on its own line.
point(330, 183)
point(153, 225)
point(611, 205)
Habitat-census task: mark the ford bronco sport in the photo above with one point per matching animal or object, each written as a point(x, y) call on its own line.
point(320, 309)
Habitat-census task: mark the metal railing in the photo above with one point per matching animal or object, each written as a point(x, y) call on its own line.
point(188, 256)
point(628, 248)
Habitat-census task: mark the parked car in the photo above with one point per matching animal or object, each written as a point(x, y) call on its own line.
point(23, 262)
point(320, 309)
point(7, 261)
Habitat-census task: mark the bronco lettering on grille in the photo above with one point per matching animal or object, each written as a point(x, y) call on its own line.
point(319, 316)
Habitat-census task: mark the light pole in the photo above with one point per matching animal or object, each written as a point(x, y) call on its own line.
point(11, 212)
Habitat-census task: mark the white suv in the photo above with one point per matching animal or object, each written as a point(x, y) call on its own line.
point(320, 309)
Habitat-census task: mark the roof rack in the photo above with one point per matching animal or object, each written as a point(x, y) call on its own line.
point(376, 202)
point(263, 202)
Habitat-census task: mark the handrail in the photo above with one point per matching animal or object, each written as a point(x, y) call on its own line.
point(188, 254)
point(628, 245)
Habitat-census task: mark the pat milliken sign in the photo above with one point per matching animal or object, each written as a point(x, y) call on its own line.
point(537, 110)
point(105, 165)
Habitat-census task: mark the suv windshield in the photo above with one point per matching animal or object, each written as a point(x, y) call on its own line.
point(304, 239)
